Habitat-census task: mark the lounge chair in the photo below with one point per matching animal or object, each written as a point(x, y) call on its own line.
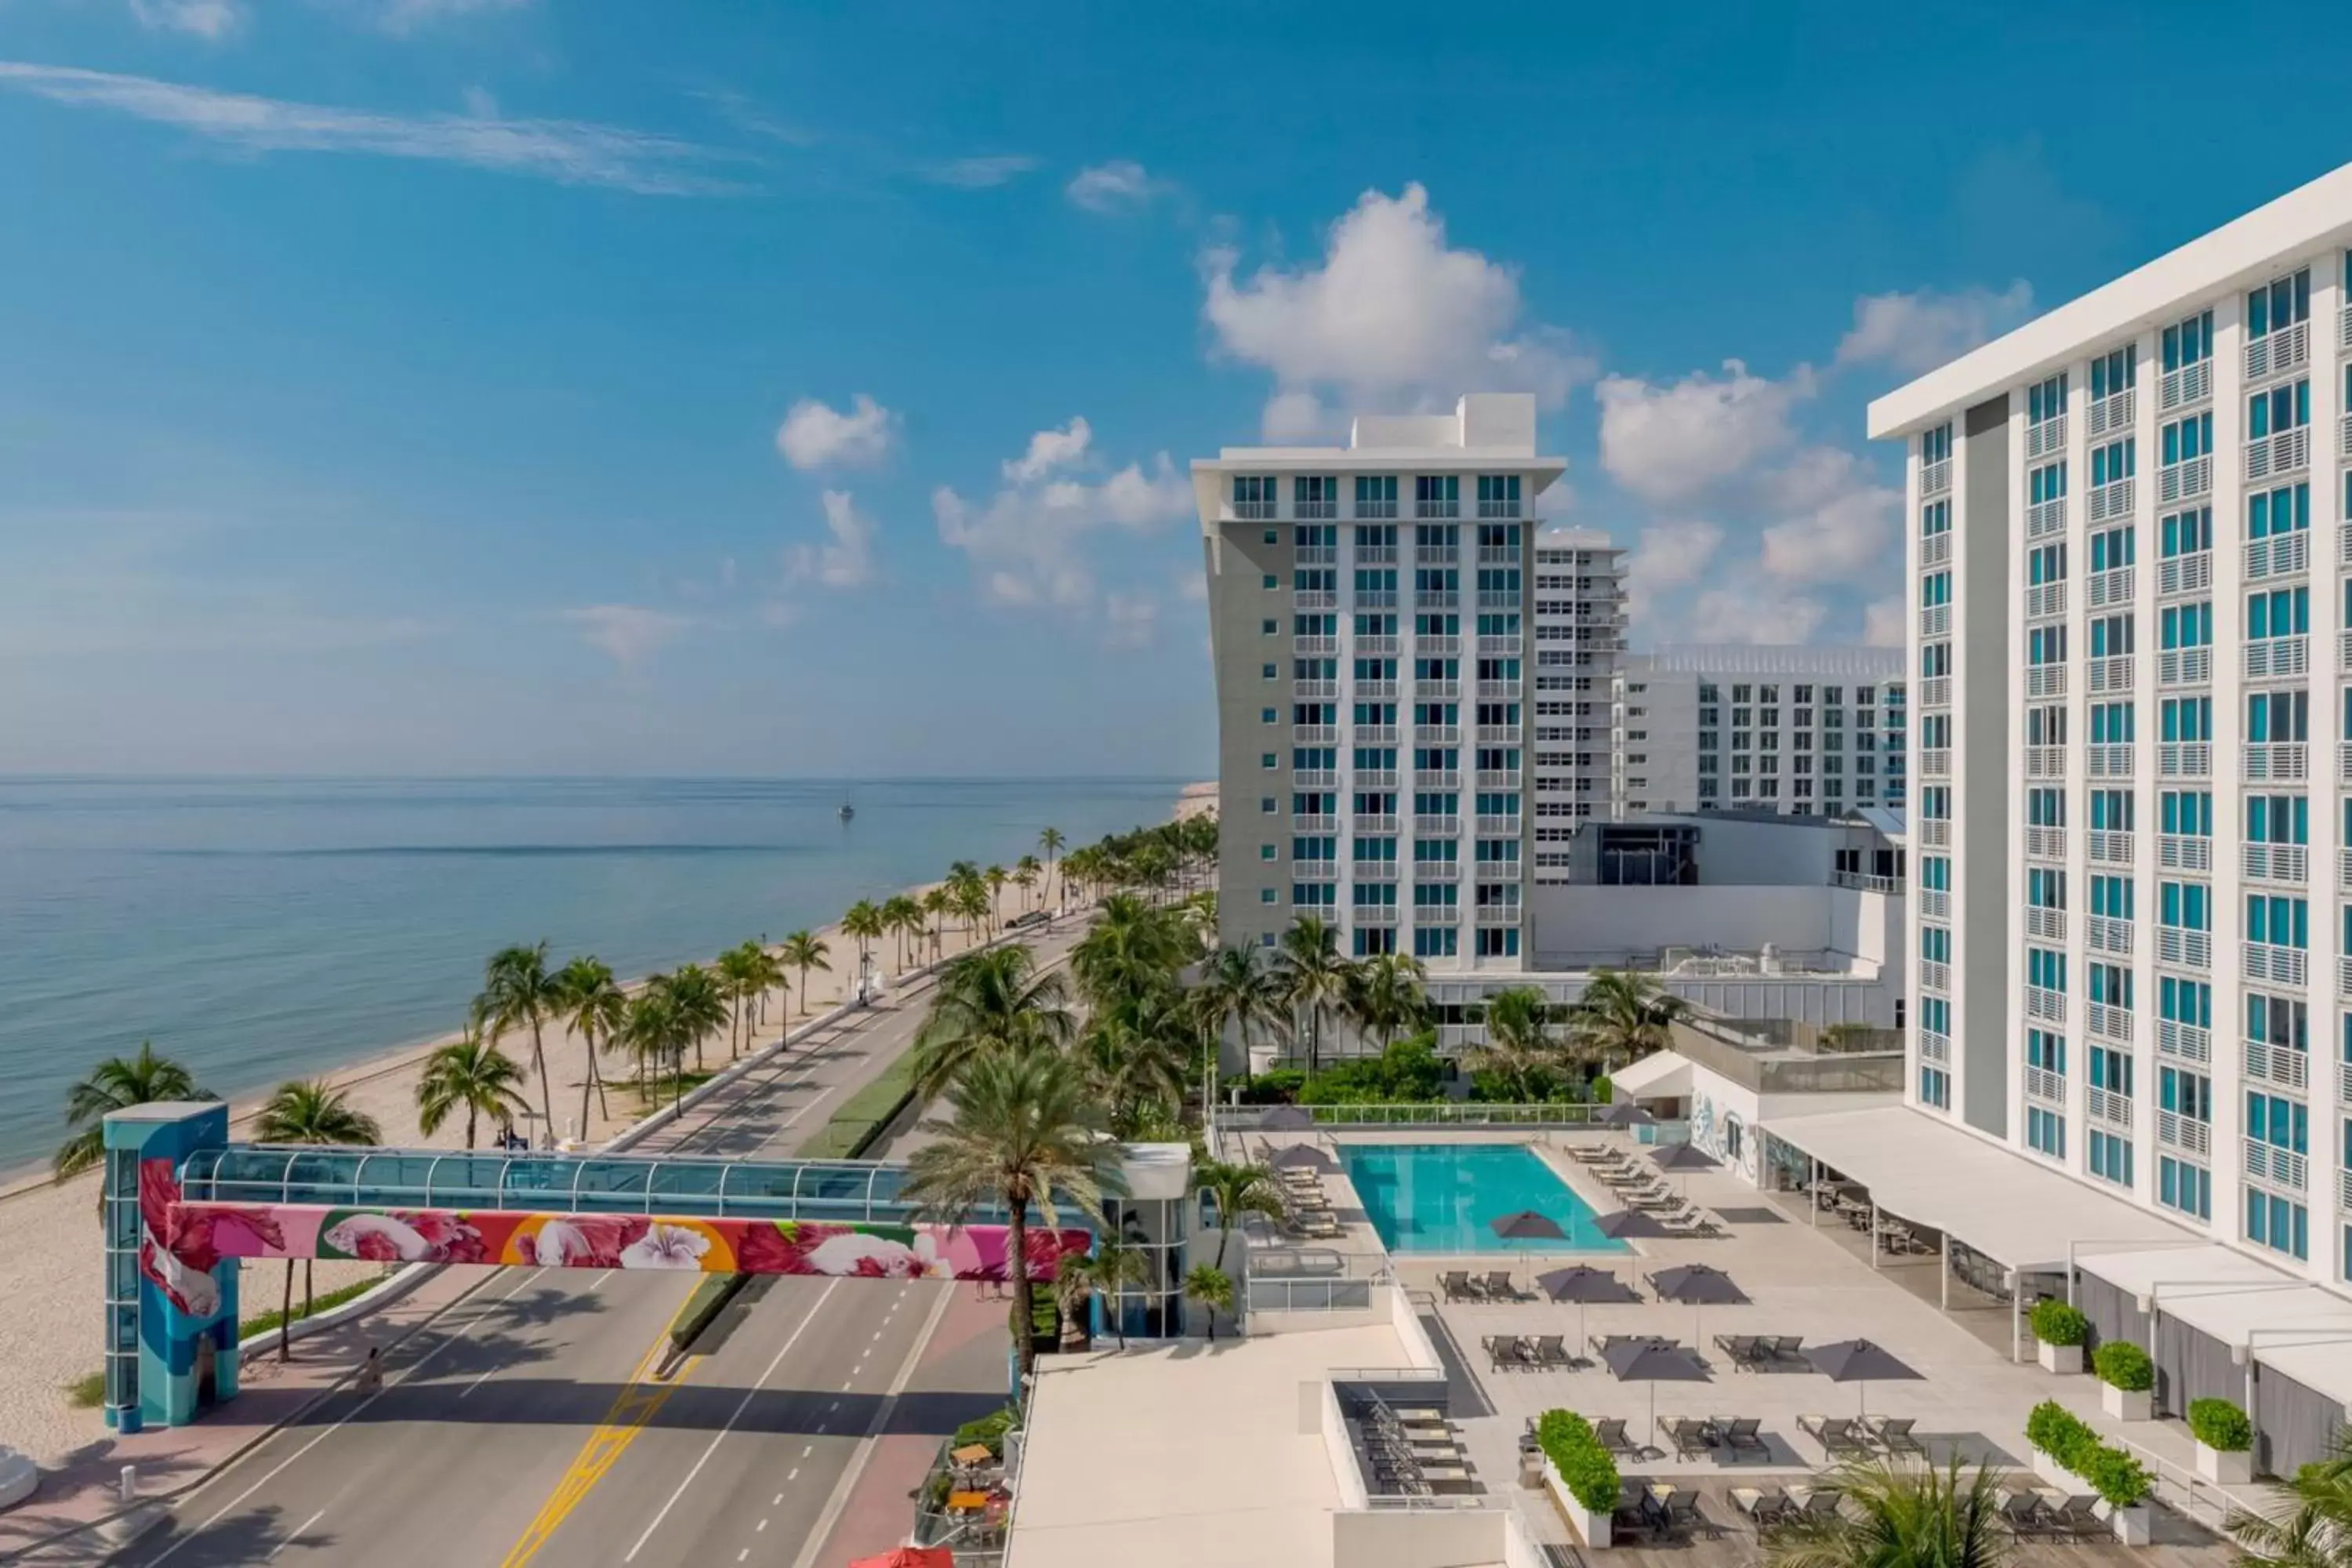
point(1688, 1437)
point(1454, 1286)
point(1550, 1351)
point(1740, 1348)
point(1893, 1433)
point(2079, 1516)
point(1506, 1354)
point(1764, 1509)
point(1823, 1503)
point(1498, 1285)
point(2025, 1515)
point(1610, 1433)
point(1834, 1433)
point(1743, 1436)
point(1682, 1515)
point(1782, 1347)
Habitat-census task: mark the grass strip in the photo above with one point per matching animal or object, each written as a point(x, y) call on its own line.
point(702, 1307)
point(864, 1116)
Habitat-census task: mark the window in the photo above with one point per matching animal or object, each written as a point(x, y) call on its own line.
point(2279, 1224)
point(2045, 401)
point(1268, 760)
point(1498, 495)
point(2277, 306)
point(1435, 942)
point(2045, 484)
point(1498, 941)
point(2113, 462)
point(1936, 1088)
point(1254, 496)
point(1376, 495)
point(2185, 1188)
point(2189, 343)
point(2281, 409)
point(1437, 495)
point(1315, 495)
point(2188, 439)
point(2286, 510)
point(2111, 547)
point(2111, 372)
point(2045, 1131)
point(2109, 1158)
point(2277, 716)
point(1269, 895)
point(1934, 517)
point(1936, 445)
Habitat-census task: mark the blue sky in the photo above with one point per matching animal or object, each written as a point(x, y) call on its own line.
point(524, 386)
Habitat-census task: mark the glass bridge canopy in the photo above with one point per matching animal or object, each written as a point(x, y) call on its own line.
point(842, 1191)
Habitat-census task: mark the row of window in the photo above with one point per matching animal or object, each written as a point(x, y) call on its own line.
point(1318, 495)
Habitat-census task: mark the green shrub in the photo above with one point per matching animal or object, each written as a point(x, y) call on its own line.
point(2060, 1432)
point(2116, 1476)
point(86, 1392)
point(1586, 1467)
point(1604, 1092)
point(2221, 1425)
point(2123, 1364)
point(864, 1116)
point(1277, 1086)
point(261, 1324)
point(2056, 1323)
point(989, 1429)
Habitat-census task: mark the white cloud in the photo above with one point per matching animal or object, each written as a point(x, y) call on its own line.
point(848, 561)
point(815, 437)
point(1916, 332)
point(1746, 614)
point(1193, 586)
point(1051, 450)
point(978, 174)
point(1883, 622)
point(1131, 620)
point(401, 17)
point(630, 633)
point(207, 19)
point(1669, 556)
point(572, 153)
point(1838, 520)
point(1670, 444)
point(1119, 185)
point(1392, 314)
point(1297, 416)
point(482, 102)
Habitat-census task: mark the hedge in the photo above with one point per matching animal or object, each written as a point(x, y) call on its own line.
point(2056, 1323)
point(2221, 1425)
point(2069, 1440)
point(2123, 1364)
point(1588, 1470)
point(864, 1116)
point(703, 1306)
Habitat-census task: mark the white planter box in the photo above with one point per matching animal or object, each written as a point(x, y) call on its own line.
point(2055, 1474)
point(2126, 1406)
point(2134, 1525)
point(2062, 1358)
point(2225, 1469)
point(1590, 1528)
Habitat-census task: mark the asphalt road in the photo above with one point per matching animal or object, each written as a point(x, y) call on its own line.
point(526, 1424)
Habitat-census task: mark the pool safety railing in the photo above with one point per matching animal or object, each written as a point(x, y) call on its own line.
point(1471, 1113)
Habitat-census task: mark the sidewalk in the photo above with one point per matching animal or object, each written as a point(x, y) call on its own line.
point(83, 1487)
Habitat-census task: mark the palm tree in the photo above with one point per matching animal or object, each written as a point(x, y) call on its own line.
point(650, 1032)
point(1236, 1189)
point(1051, 842)
point(1214, 1289)
point(1235, 988)
point(1385, 998)
point(992, 1002)
point(118, 1083)
point(804, 951)
point(517, 991)
point(309, 1112)
point(1623, 1015)
point(1132, 948)
point(2309, 1522)
point(699, 1003)
point(1898, 1516)
point(596, 1005)
point(1311, 977)
point(1026, 1134)
point(739, 979)
point(1519, 1042)
point(471, 1074)
point(905, 917)
point(863, 924)
point(972, 902)
point(995, 877)
point(1135, 1054)
point(1109, 1269)
point(1025, 877)
point(935, 904)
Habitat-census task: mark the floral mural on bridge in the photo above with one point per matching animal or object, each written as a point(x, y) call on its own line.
point(214, 1231)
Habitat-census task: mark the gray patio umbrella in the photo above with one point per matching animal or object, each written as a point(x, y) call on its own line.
point(1583, 1283)
point(1625, 1113)
point(1653, 1362)
point(1698, 1286)
point(1630, 1225)
point(1286, 1119)
point(1529, 1225)
point(1303, 1157)
point(1859, 1362)
point(1683, 1157)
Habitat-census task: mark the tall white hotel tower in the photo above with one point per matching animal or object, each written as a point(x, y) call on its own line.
point(2131, 661)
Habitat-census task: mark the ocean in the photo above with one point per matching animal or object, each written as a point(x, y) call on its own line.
point(265, 929)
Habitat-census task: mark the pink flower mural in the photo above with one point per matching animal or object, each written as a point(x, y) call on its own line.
point(179, 1244)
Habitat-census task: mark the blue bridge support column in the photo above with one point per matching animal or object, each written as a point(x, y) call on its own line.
point(170, 1327)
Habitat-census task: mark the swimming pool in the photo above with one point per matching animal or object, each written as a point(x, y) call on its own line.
point(1445, 1197)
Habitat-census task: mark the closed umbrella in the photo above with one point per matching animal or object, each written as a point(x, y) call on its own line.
point(1303, 1157)
point(1698, 1286)
point(1583, 1283)
point(1529, 1225)
point(1859, 1362)
point(1653, 1362)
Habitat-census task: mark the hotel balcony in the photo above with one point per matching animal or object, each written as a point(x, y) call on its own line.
point(1378, 645)
point(1315, 824)
point(2185, 759)
point(2044, 1085)
point(1936, 621)
point(2269, 964)
point(1935, 478)
point(1254, 511)
point(2276, 762)
point(1316, 778)
point(2189, 573)
point(1373, 914)
point(1491, 781)
point(1377, 691)
point(2183, 948)
point(1376, 598)
point(2106, 1105)
point(1935, 975)
point(1312, 645)
point(2045, 925)
point(2275, 659)
point(1437, 870)
point(1315, 691)
point(2185, 666)
point(2110, 761)
point(1430, 779)
point(2045, 843)
point(2344, 437)
point(1315, 734)
point(1436, 511)
point(1936, 550)
point(1315, 599)
point(2269, 457)
point(1437, 734)
point(2278, 352)
point(2190, 479)
point(1436, 598)
point(2111, 589)
point(1935, 904)
point(1436, 555)
point(2108, 1022)
point(2047, 439)
point(2282, 1066)
point(2109, 847)
point(2045, 518)
point(2112, 502)
point(1500, 645)
point(2184, 1042)
point(1315, 510)
point(2045, 680)
point(2182, 852)
point(1500, 826)
point(1317, 555)
point(1315, 870)
point(2112, 415)
point(1499, 914)
point(2107, 934)
point(2185, 1134)
point(1502, 510)
point(1936, 764)
point(1376, 510)
point(1934, 1048)
point(2043, 600)
point(1376, 555)
point(2280, 556)
point(1437, 827)
point(2049, 1006)
point(1437, 645)
point(2279, 1167)
point(1936, 691)
point(2178, 389)
point(2276, 862)
point(2111, 676)
point(1376, 822)
point(1437, 690)
point(2344, 1088)
point(1497, 555)
point(2045, 761)
point(1375, 871)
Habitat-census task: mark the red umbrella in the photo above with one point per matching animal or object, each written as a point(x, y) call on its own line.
point(910, 1557)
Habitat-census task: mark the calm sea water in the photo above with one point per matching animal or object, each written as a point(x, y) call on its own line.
point(262, 928)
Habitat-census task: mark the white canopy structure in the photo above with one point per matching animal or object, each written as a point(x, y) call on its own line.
point(1661, 1075)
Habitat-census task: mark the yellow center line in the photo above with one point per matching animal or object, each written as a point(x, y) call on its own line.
point(632, 1410)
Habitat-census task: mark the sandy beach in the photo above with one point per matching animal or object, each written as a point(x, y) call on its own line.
point(49, 1299)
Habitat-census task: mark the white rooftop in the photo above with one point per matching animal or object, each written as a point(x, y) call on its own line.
point(1752, 659)
point(2299, 1329)
point(1923, 1169)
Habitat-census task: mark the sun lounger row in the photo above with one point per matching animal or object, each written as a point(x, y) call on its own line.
point(1523, 1352)
point(1739, 1436)
point(1769, 1508)
point(2049, 1516)
point(1846, 1437)
point(1459, 1285)
point(1658, 1513)
point(1758, 1353)
point(1412, 1455)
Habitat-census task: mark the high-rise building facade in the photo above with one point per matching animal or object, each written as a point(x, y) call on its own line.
point(1372, 617)
point(1805, 732)
point(2129, 836)
point(1579, 631)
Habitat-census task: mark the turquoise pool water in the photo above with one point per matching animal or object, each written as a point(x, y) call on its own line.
point(1445, 1197)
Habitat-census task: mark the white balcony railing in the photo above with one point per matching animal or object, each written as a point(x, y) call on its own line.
point(2044, 600)
point(1315, 599)
point(1313, 823)
point(2045, 761)
point(2050, 1006)
point(2188, 948)
point(1312, 645)
point(2184, 1042)
point(2111, 415)
point(1378, 734)
point(1499, 914)
point(2045, 843)
point(1935, 478)
point(2111, 589)
point(2282, 1066)
point(2344, 437)
point(1936, 762)
point(1501, 828)
point(2045, 680)
point(2190, 384)
point(2343, 649)
point(2185, 666)
point(2274, 966)
point(1316, 690)
point(1935, 975)
point(1377, 822)
point(2043, 1083)
point(1377, 691)
point(1317, 555)
point(2276, 862)
point(2276, 762)
point(2280, 556)
point(1936, 550)
point(2287, 452)
point(2189, 479)
point(2109, 846)
point(1376, 870)
point(2111, 502)
point(2109, 934)
point(2185, 759)
point(2046, 440)
point(2279, 1167)
point(2344, 761)
point(1379, 643)
point(1315, 734)
point(2045, 925)
point(2181, 852)
point(1936, 833)
point(2106, 1105)
point(1316, 778)
point(1433, 778)
point(2344, 327)
point(2185, 1134)
point(2110, 761)
point(2276, 354)
point(1936, 621)
point(2271, 659)
point(1437, 734)
point(2189, 573)
point(1936, 903)
point(1935, 1048)
point(2111, 674)
point(2109, 1023)
point(2344, 1088)
point(1936, 691)
point(2044, 517)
